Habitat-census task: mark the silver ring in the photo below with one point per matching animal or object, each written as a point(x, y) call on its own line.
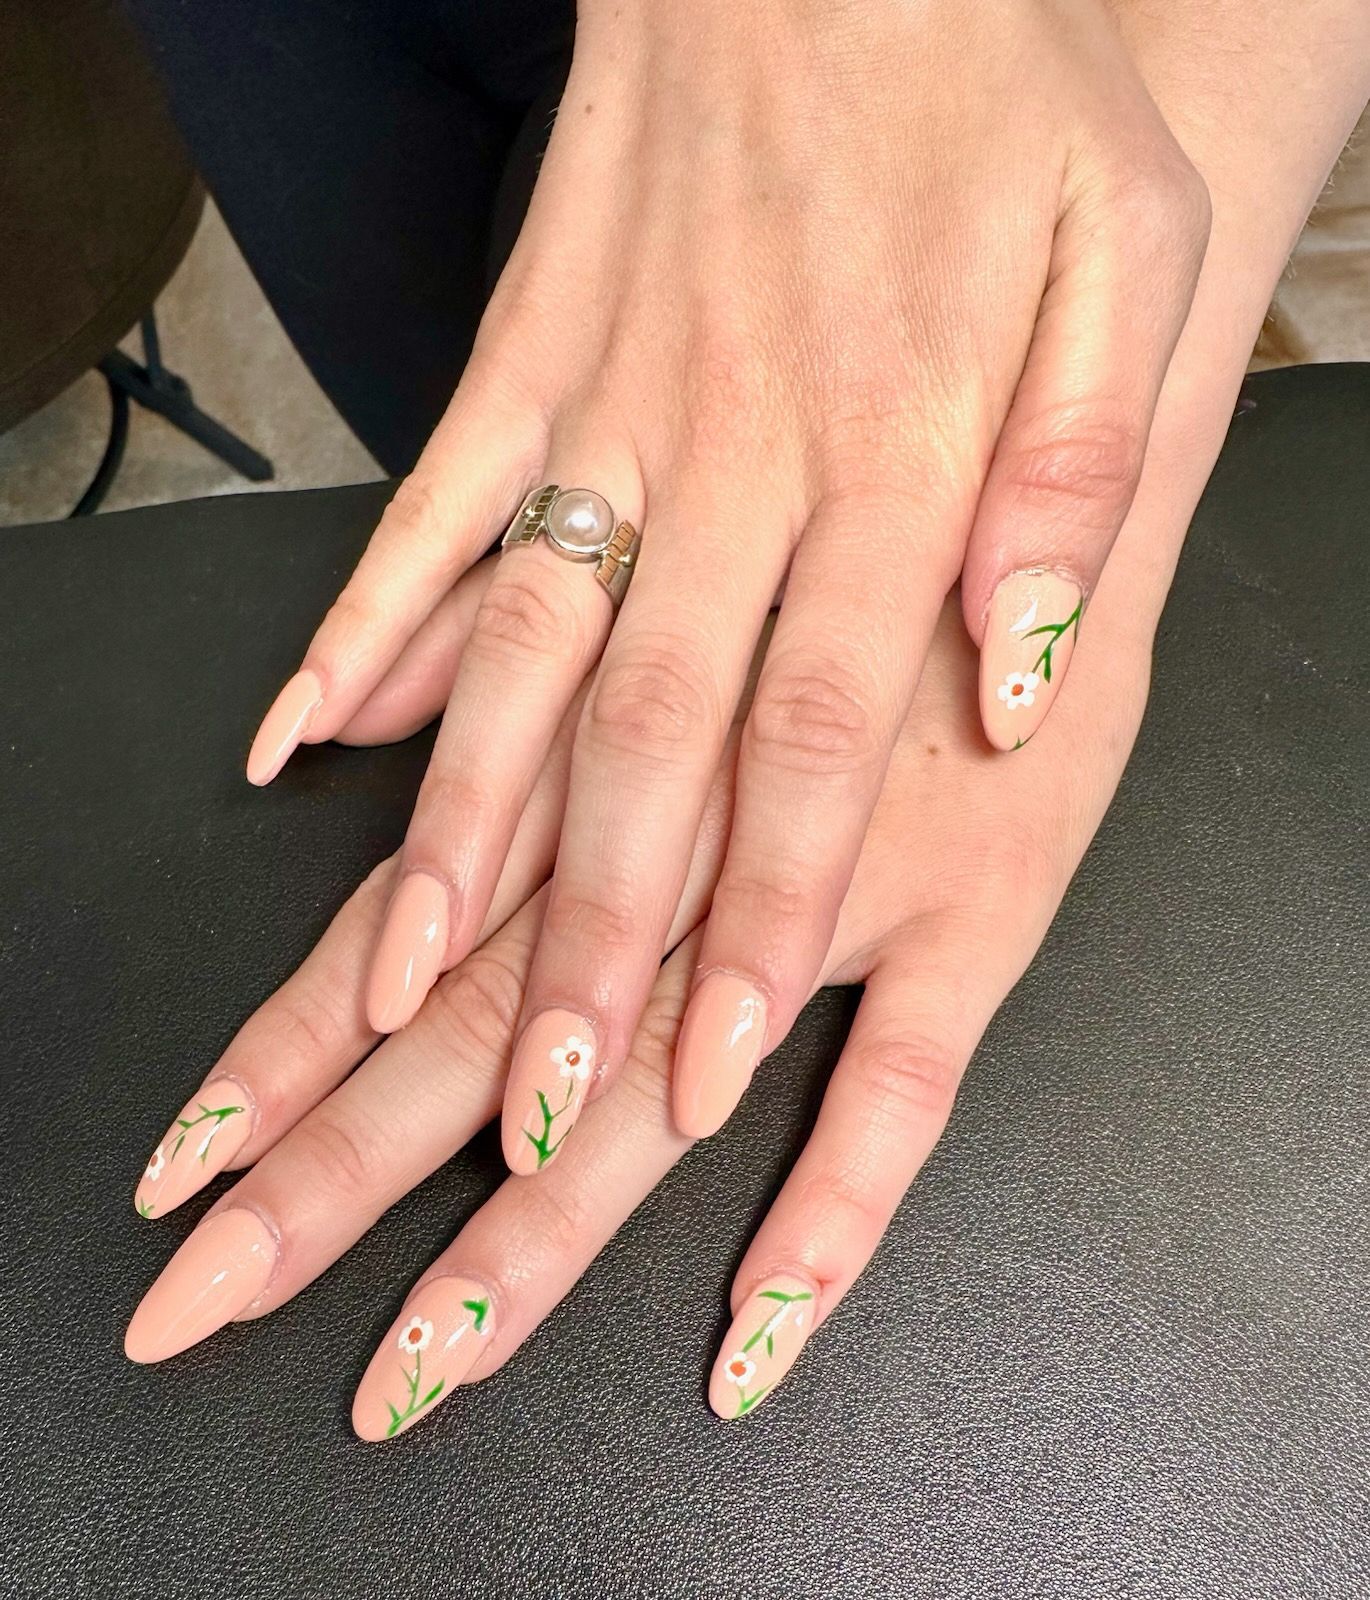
point(580, 526)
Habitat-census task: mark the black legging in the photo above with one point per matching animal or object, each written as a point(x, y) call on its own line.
point(373, 160)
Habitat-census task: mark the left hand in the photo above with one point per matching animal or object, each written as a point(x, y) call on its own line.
point(833, 298)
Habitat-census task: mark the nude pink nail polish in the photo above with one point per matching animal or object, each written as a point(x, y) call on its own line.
point(432, 1346)
point(1029, 640)
point(409, 953)
point(551, 1073)
point(217, 1273)
point(762, 1345)
point(208, 1133)
point(284, 725)
point(721, 1040)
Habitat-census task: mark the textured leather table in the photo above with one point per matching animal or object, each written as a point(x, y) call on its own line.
point(1117, 1342)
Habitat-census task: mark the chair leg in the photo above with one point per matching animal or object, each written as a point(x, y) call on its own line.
point(157, 389)
point(114, 454)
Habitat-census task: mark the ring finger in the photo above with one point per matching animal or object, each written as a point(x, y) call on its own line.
point(540, 627)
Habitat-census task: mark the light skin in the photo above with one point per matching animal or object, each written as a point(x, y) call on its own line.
point(938, 941)
point(817, 332)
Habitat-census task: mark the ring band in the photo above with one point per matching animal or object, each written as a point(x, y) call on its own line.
point(579, 525)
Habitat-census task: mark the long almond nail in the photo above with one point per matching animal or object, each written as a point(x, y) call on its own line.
point(409, 954)
point(429, 1351)
point(720, 1044)
point(284, 726)
point(547, 1083)
point(218, 1272)
point(1030, 633)
point(762, 1345)
point(205, 1137)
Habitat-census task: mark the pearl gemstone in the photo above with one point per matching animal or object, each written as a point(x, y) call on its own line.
point(580, 521)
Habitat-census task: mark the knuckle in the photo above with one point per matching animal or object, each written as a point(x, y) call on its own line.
point(850, 1199)
point(1165, 211)
point(655, 701)
point(813, 718)
point(330, 1147)
point(591, 922)
point(775, 900)
point(561, 1217)
point(909, 1078)
point(1081, 462)
point(412, 514)
point(652, 1054)
point(475, 1009)
point(520, 616)
point(311, 1025)
point(451, 792)
point(727, 381)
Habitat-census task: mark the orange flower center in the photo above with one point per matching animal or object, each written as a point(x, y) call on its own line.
point(414, 1335)
point(1017, 688)
point(573, 1058)
point(737, 1368)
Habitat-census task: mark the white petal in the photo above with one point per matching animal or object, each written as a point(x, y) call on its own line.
point(1030, 680)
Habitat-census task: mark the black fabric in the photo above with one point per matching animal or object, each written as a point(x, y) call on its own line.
point(356, 149)
point(1115, 1342)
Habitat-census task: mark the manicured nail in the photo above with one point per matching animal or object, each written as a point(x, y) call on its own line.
point(436, 1341)
point(547, 1084)
point(284, 726)
point(409, 954)
point(218, 1272)
point(205, 1137)
point(1029, 639)
point(720, 1044)
point(762, 1345)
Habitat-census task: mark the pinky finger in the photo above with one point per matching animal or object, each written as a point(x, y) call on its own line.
point(884, 1110)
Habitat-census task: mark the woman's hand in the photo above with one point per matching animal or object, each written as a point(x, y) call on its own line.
point(333, 1151)
point(828, 298)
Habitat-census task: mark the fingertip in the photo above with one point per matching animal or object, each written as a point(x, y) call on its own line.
point(1030, 635)
point(284, 726)
point(719, 1047)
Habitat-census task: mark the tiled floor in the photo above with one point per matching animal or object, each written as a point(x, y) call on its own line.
point(219, 333)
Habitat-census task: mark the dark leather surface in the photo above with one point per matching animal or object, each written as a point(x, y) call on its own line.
point(1116, 1341)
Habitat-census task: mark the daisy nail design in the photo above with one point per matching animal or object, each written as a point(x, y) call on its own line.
point(1018, 689)
point(439, 1341)
point(553, 1067)
point(1030, 636)
point(201, 1142)
point(574, 1058)
point(761, 1346)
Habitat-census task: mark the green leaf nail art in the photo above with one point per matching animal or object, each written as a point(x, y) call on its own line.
point(740, 1368)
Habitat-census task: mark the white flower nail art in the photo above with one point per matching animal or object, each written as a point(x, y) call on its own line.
point(154, 1167)
point(1018, 689)
point(574, 1058)
point(739, 1370)
point(415, 1334)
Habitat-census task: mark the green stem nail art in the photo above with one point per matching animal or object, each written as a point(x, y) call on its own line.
point(218, 1115)
point(413, 1379)
point(415, 1337)
point(740, 1368)
point(1056, 630)
point(542, 1142)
